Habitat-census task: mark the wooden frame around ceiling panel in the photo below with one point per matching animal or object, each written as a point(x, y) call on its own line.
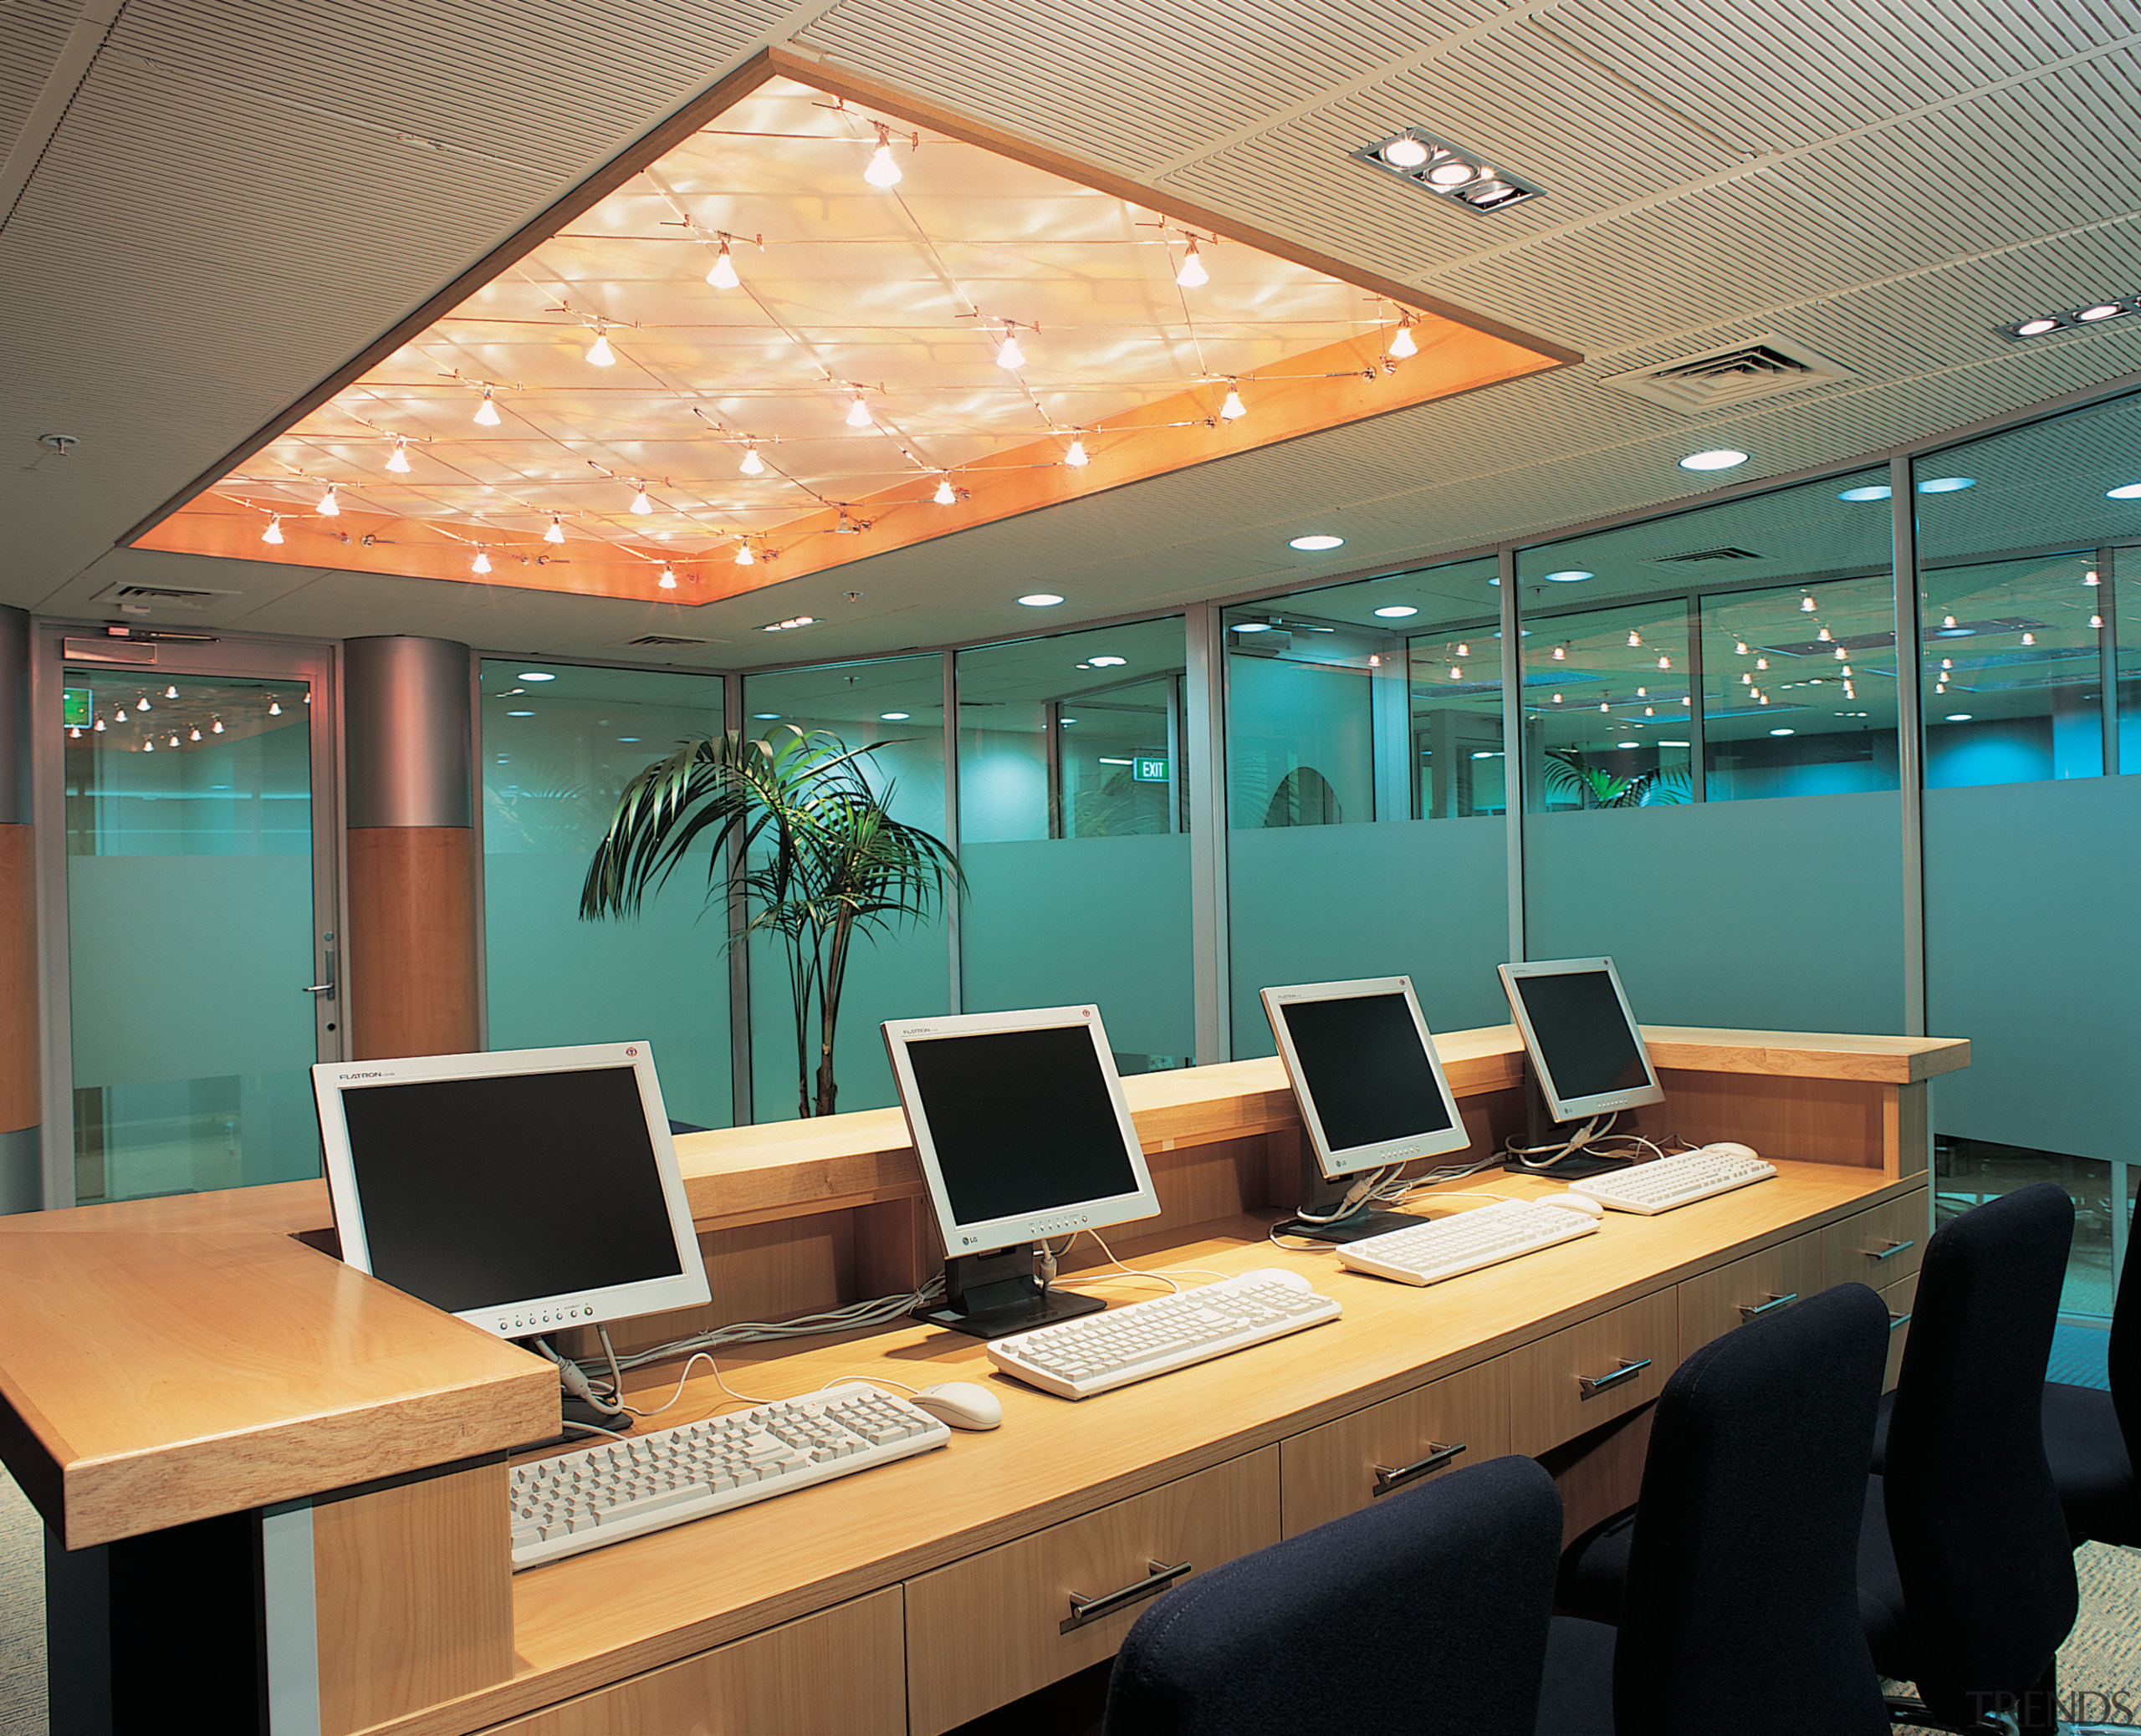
point(1470, 351)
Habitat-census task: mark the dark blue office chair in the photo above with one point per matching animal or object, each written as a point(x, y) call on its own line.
point(1966, 1575)
point(2090, 1435)
point(1426, 1613)
point(1740, 1609)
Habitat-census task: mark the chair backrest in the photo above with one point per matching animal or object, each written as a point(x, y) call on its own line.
point(1982, 1546)
point(2125, 1356)
point(1742, 1605)
point(1426, 1613)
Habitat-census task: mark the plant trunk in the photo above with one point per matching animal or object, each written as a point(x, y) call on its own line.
point(829, 990)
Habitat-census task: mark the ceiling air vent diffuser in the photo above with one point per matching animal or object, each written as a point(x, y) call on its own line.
point(657, 639)
point(1761, 368)
point(159, 596)
point(1726, 554)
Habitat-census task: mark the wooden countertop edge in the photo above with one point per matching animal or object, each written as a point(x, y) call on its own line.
point(537, 1687)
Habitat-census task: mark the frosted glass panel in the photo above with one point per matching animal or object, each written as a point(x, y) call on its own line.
point(556, 753)
point(1765, 916)
point(1323, 903)
point(190, 1043)
point(2029, 953)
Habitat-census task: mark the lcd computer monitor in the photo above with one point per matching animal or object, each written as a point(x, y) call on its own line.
point(526, 1191)
point(1370, 1087)
point(1587, 1052)
point(1019, 1123)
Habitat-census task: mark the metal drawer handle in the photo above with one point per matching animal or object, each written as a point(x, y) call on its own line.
point(1085, 1610)
point(1889, 1252)
point(1897, 1319)
point(1593, 1384)
point(1390, 1477)
point(1756, 1310)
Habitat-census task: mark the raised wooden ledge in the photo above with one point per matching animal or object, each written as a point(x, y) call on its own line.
point(1804, 1054)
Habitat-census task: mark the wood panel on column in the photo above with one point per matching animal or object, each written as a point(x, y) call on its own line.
point(412, 941)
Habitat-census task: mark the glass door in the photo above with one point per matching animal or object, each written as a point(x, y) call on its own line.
point(194, 840)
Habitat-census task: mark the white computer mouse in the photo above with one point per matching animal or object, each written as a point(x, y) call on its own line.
point(1582, 1202)
point(1732, 1148)
point(1274, 1274)
point(962, 1404)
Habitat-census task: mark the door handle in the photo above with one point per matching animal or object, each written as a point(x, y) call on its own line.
point(327, 970)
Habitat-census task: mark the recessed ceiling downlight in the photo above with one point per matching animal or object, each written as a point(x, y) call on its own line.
point(1722, 457)
point(1569, 575)
point(1960, 716)
point(1107, 663)
point(1317, 544)
point(1396, 612)
point(1040, 600)
point(1876, 490)
point(534, 675)
point(1947, 484)
point(2124, 490)
point(1782, 731)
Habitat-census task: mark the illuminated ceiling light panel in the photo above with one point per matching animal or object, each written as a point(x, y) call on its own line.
point(1449, 171)
point(901, 299)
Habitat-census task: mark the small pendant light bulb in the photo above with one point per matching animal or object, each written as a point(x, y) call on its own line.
point(753, 464)
point(1561, 653)
point(858, 413)
point(274, 707)
point(1840, 654)
point(1806, 605)
point(1192, 274)
point(883, 172)
point(215, 727)
point(329, 507)
point(1463, 651)
point(667, 581)
point(1740, 648)
point(641, 501)
point(946, 494)
point(599, 353)
point(487, 412)
point(274, 533)
point(142, 704)
point(2089, 578)
point(2097, 621)
point(1455, 673)
point(1634, 637)
point(744, 557)
point(1761, 662)
point(120, 716)
point(723, 276)
point(482, 562)
point(1233, 407)
point(397, 460)
point(1822, 637)
point(556, 533)
point(1076, 457)
point(1401, 340)
point(171, 692)
point(196, 735)
point(98, 725)
point(2029, 638)
point(1947, 620)
point(1010, 355)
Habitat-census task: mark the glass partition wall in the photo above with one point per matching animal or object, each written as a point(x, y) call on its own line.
point(1724, 777)
point(1364, 792)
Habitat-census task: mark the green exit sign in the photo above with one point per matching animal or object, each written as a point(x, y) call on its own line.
point(76, 704)
point(1149, 769)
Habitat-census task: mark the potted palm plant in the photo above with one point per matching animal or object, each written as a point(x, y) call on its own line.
point(801, 843)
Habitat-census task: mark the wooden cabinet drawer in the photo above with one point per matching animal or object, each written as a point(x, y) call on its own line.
point(1878, 1246)
point(984, 1630)
point(843, 1669)
point(1342, 1467)
point(1899, 1299)
point(1718, 1301)
point(1560, 1387)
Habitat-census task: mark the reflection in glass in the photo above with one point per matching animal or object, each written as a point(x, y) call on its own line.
point(556, 753)
point(1607, 709)
point(1799, 701)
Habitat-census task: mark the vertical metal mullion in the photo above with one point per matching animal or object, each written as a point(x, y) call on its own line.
point(739, 955)
point(1910, 736)
point(1175, 781)
point(1698, 753)
point(476, 806)
point(1390, 728)
point(48, 800)
point(1052, 748)
point(1205, 680)
point(953, 939)
point(1515, 778)
point(2107, 653)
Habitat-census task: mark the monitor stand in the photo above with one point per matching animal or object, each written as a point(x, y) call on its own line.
point(993, 1295)
point(1321, 1195)
point(1540, 1129)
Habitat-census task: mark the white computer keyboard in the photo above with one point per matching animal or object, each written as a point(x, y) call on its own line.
point(1077, 1358)
point(1678, 1179)
point(616, 1489)
point(1428, 1253)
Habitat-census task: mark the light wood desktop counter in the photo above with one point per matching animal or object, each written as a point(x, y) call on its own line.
point(168, 1362)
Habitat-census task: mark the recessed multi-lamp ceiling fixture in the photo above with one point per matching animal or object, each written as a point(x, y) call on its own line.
point(804, 323)
point(2091, 314)
point(1449, 171)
